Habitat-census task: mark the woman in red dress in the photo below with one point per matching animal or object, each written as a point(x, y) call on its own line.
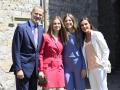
point(50, 57)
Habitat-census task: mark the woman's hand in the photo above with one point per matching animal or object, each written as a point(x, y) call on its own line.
point(42, 79)
point(41, 74)
point(83, 73)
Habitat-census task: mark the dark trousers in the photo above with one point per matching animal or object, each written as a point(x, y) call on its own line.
point(27, 83)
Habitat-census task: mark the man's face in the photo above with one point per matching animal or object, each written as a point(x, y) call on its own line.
point(36, 15)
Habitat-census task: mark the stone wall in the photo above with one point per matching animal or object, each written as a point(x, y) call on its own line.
point(9, 9)
point(77, 7)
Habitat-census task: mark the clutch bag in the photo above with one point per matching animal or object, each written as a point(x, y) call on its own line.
point(42, 80)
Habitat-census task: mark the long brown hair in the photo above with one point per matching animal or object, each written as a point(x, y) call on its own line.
point(79, 27)
point(62, 32)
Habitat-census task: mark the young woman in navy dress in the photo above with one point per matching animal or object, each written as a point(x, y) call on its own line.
point(74, 64)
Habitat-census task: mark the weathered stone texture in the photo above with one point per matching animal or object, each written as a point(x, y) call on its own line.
point(15, 8)
point(7, 81)
point(78, 8)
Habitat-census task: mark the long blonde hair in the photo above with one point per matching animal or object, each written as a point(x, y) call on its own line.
point(74, 27)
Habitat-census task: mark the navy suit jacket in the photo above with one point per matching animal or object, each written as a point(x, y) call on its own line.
point(24, 53)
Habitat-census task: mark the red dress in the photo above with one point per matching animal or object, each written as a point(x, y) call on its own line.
point(51, 61)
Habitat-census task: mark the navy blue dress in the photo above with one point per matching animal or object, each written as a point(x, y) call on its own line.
point(73, 64)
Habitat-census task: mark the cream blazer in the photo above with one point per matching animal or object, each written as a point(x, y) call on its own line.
point(101, 49)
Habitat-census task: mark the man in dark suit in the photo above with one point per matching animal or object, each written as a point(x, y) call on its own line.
point(25, 52)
